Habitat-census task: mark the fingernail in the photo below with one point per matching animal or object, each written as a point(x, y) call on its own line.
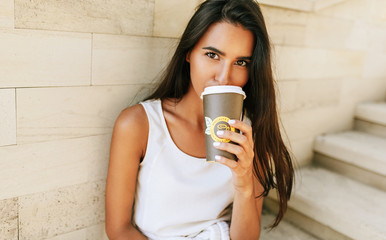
point(216, 144)
point(220, 132)
point(232, 121)
point(217, 157)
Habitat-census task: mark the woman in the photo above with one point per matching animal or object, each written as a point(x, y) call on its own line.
point(159, 185)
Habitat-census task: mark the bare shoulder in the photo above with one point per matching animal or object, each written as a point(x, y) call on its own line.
point(134, 116)
point(131, 128)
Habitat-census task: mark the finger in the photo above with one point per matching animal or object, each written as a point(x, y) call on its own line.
point(244, 158)
point(243, 127)
point(232, 164)
point(229, 147)
point(235, 137)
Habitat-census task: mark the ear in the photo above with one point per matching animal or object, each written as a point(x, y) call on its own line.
point(187, 58)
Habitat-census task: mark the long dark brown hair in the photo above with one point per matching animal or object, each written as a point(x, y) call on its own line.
point(272, 164)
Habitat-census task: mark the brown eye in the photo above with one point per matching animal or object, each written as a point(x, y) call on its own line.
point(242, 63)
point(212, 55)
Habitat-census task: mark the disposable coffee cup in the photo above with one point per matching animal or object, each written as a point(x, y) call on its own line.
point(221, 103)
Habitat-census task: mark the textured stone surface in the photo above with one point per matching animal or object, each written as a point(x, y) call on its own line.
point(353, 10)
point(285, 27)
point(286, 95)
point(171, 17)
point(309, 63)
point(46, 114)
point(355, 148)
point(9, 219)
point(285, 230)
point(101, 16)
point(129, 59)
point(44, 215)
point(40, 58)
point(326, 32)
point(40, 167)
point(374, 64)
point(6, 14)
point(342, 204)
point(302, 5)
point(96, 232)
point(372, 112)
point(303, 124)
point(7, 117)
point(312, 93)
point(370, 128)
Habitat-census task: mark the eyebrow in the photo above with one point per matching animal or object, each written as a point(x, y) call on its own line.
point(223, 54)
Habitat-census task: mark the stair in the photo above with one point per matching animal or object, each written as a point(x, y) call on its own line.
point(355, 154)
point(371, 118)
point(342, 195)
point(285, 230)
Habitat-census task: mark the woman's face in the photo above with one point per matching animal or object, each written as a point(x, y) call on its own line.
point(221, 57)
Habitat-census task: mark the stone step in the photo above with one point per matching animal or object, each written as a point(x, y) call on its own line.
point(285, 230)
point(332, 206)
point(355, 154)
point(370, 117)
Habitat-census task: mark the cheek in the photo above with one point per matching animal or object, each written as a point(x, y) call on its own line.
point(200, 71)
point(240, 77)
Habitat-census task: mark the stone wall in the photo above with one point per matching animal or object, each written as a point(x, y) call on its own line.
point(67, 68)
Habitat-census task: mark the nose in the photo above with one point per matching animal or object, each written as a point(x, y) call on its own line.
point(223, 74)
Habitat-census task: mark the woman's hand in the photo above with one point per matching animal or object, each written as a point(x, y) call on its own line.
point(242, 169)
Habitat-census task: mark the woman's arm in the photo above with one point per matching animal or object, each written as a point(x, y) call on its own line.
point(128, 145)
point(246, 214)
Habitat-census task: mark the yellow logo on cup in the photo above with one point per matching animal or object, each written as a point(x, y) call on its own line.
point(218, 124)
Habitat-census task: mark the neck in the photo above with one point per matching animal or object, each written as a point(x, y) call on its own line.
point(191, 108)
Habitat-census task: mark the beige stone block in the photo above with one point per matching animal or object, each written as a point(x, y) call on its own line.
point(129, 59)
point(9, 219)
point(6, 14)
point(7, 117)
point(317, 93)
point(327, 32)
point(374, 65)
point(39, 58)
point(302, 151)
point(39, 167)
point(357, 90)
point(172, 16)
point(309, 123)
point(300, 5)
point(377, 37)
point(378, 13)
point(353, 10)
point(285, 27)
point(46, 114)
point(282, 16)
point(313, 63)
point(117, 17)
point(358, 38)
point(293, 35)
point(96, 232)
point(286, 95)
point(47, 214)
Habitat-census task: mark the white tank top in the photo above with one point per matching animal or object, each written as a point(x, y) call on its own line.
point(178, 195)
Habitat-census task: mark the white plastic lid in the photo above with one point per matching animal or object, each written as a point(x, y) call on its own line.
point(223, 89)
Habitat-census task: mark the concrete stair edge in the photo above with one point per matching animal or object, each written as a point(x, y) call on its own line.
point(370, 127)
point(374, 112)
point(353, 147)
point(323, 204)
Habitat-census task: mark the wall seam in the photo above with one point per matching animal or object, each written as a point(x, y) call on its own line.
point(91, 55)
